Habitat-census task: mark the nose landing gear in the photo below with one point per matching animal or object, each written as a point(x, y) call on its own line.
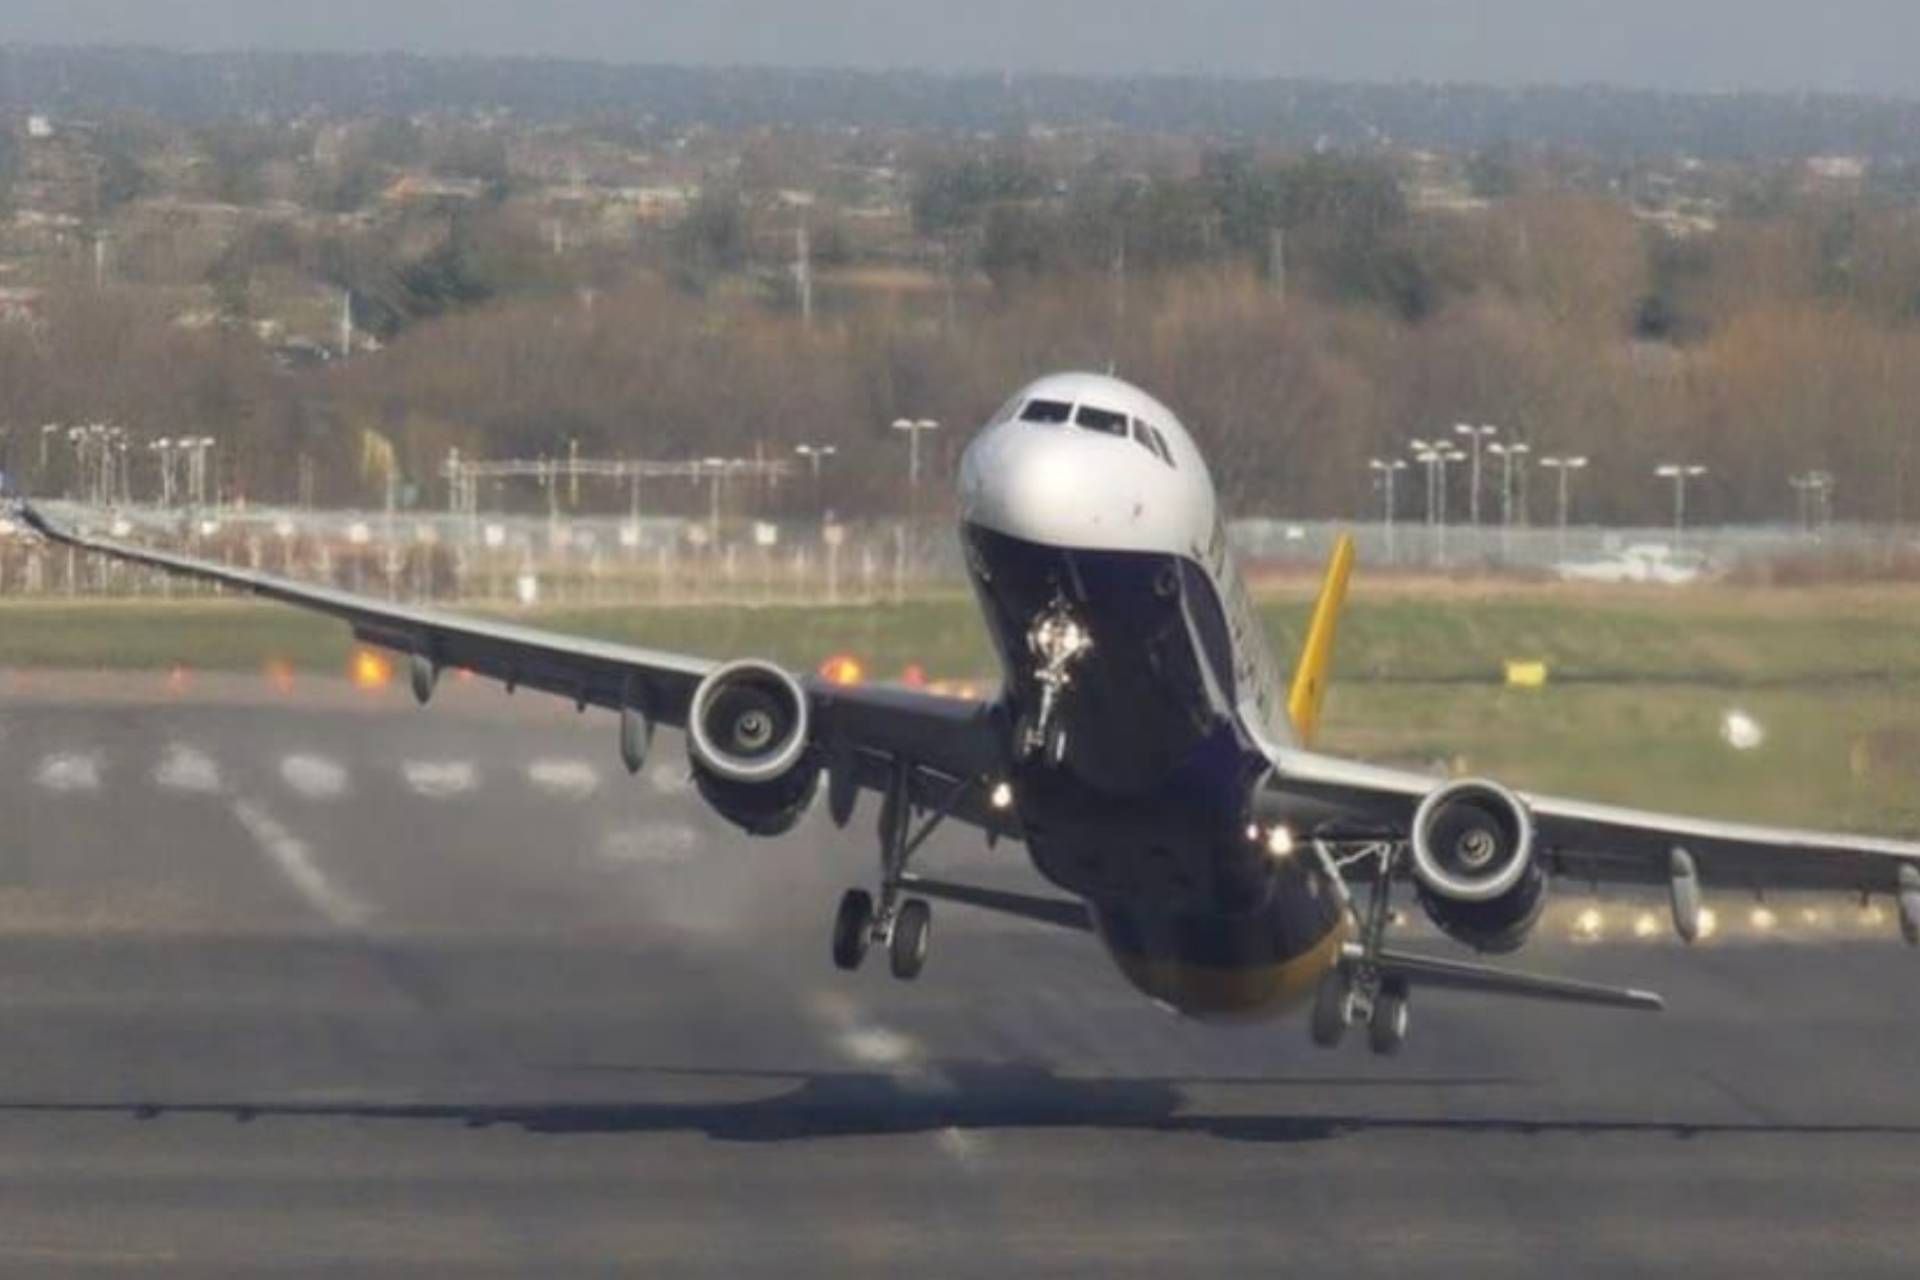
point(1057, 642)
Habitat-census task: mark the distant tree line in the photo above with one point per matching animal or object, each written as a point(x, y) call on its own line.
point(1292, 113)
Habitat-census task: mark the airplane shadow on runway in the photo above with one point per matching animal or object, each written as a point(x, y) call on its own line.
point(962, 1096)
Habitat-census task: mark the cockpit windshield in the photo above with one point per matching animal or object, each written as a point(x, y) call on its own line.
point(1046, 411)
point(1105, 420)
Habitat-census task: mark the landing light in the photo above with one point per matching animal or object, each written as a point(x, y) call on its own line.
point(1589, 923)
point(843, 669)
point(1709, 922)
point(1280, 842)
point(370, 670)
point(1002, 795)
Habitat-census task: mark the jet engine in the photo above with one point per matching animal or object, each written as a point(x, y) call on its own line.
point(1474, 866)
point(747, 740)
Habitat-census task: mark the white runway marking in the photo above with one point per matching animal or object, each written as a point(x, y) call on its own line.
point(295, 861)
point(315, 777)
point(70, 771)
point(571, 779)
point(650, 843)
point(863, 1041)
point(439, 779)
point(184, 768)
point(669, 779)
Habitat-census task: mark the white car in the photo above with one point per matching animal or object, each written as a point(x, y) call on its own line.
point(1641, 562)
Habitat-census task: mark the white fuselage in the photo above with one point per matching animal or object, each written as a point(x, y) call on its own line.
point(1135, 483)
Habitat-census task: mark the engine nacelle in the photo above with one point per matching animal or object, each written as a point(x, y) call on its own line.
point(1474, 864)
point(747, 737)
point(760, 808)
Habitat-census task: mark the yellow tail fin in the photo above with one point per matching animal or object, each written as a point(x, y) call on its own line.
point(1309, 690)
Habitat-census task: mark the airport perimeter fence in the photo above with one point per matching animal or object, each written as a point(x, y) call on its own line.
point(532, 560)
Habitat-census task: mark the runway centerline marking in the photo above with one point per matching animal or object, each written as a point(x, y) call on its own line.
point(187, 768)
point(439, 779)
point(70, 771)
point(315, 777)
point(295, 861)
point(572, 779)
point(650, 843)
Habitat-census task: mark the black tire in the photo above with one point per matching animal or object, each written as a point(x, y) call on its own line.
point(1387, 1030)
point(1330, 1007)
point(852, 929)
point(912, 932)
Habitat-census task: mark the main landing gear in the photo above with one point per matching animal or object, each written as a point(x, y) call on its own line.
point(1356, 989)
point(903, 925)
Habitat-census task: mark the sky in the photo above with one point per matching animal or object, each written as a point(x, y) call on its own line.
point(1695, 45)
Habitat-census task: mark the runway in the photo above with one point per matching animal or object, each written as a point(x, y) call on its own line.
point(316, 980)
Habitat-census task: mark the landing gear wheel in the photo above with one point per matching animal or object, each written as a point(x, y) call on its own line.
point(912, 931)
point(1331, 1004)
point(1387, 1029)
point(852, 929)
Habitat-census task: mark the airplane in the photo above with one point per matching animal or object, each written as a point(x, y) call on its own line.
point(1142, 746)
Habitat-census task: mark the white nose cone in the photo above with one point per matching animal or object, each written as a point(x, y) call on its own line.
point(1062, 487)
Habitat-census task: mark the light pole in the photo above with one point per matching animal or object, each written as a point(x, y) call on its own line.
point(1679, 473)
point(815, 454)
point(1815, 491)
point(1475, 437)
point(162, 449)
point(1511, 456)
point(913, 427)
point(1388, 472)
point(1436, 457)
point(1565, 467)
point(47, 432)
point(716, 469)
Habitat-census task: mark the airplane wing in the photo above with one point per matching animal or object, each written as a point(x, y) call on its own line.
point(1610, 844)
point(943, 740)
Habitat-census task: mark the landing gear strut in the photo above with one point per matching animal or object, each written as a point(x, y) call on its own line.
point(1356, 989)
point(903, 925)
point(1057, 641)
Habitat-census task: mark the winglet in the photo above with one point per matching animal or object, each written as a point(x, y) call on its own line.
point(1310, 676)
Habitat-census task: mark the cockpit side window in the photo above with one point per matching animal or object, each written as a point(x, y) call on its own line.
point(1102, 420)
point(1048, 411)
point(1150, 438)
point(1007, 412)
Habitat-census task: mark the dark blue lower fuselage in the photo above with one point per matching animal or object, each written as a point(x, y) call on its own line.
point(1145, 815)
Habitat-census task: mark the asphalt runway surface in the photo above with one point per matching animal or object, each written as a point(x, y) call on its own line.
point(322, 981)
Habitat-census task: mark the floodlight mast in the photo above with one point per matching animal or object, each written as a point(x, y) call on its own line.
point(1510, 455)
point(1436, 456)
point(1679, 473)
point(1565, 467)
point(1388, 472)
point(1475, 437)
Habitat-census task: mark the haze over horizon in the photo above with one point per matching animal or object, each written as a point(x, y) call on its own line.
point(1844, 46)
